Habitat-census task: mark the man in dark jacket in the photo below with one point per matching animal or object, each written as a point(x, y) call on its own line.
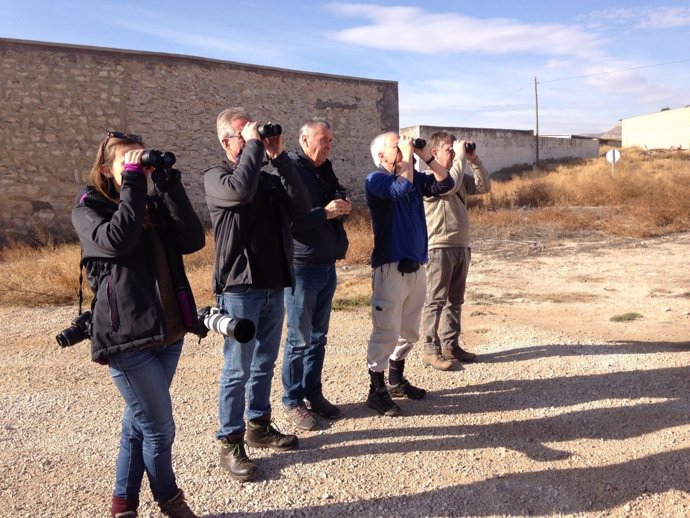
point(320, 240)
point(250, 213)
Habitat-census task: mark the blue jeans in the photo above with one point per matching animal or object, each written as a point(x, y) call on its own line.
point(248, 368)
point(148, 429)
point(308, 316)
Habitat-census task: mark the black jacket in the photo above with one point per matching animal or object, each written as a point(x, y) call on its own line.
point(318, 240)
point(118, 255)
point(250, 212)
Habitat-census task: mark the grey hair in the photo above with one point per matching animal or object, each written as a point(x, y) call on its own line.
point(309, 127)
point(378, 145)
point(224, 121)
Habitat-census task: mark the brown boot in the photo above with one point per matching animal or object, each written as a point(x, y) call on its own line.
point(176, 507)
point(437, 361)
point(233, 458)
point(459, 354)
point(262, 434)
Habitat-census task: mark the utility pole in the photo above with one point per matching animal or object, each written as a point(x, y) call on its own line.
point(536, 109)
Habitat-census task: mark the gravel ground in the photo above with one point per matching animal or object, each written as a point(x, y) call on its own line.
point(565, 414)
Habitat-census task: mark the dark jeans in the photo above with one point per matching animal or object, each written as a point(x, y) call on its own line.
point(308, 316)
point(248, 368)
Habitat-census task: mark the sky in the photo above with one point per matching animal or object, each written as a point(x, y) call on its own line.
point(457, 63)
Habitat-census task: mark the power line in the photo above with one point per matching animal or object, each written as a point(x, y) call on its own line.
point(616, 70)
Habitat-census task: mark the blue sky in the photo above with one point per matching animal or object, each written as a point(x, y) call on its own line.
point(457, 63)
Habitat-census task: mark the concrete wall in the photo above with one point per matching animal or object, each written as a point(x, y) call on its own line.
point(58, 102)
point(501, 148)
point(661, 130)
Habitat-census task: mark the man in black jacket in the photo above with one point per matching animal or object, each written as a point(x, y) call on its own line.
point(320, 240)
point(250, 213)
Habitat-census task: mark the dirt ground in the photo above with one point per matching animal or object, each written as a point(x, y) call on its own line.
point(566, 413)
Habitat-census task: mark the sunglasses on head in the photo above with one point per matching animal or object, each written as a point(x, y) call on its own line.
point(129, 137)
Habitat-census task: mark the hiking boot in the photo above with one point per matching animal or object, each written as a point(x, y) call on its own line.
point(176, 507)
point(406, 389)
point(300, 417)
point(459, 354)
point(381, 401)
point(437, 361)
point(320, 405)
point(233, 458)
point(262, 434)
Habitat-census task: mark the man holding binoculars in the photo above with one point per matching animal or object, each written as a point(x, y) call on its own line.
point(251, 210)
point(394, 194)
point(449, 251)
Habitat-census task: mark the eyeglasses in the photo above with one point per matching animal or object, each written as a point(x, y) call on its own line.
point(129, 137)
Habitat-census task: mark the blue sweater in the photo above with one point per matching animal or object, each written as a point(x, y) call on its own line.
point(397, 214)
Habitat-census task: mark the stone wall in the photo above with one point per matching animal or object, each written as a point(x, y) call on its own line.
point(668, 129)
point(501, 148)
point(58, 102)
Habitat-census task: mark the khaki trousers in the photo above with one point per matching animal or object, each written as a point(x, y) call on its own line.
point(396, 312)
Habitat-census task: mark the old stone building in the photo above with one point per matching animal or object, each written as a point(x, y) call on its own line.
point(58, 102)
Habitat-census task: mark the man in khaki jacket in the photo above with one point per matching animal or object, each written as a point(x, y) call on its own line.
point(449, 251)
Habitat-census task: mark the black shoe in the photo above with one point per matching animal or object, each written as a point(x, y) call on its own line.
point(320, 405)
point(233, 457)
point(381, 401)
point(262, 434)
point(406, 389)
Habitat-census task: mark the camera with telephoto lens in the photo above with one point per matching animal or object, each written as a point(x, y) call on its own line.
point(213, 319)
point(470, 147)
point(418, 143)
point(269, 130)
point(78, 331)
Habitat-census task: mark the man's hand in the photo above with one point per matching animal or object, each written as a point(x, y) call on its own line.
point(250, 131)
point(274, 146)
point(337, 208)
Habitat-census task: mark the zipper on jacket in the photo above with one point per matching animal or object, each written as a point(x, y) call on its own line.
point(112, 305)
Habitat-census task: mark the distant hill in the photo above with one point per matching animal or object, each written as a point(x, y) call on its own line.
point(615, 132)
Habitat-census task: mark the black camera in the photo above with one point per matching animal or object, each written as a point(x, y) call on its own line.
point(340, 194)
point(76, 332)
point(470, 147)
point(419, 143)
point(213, 319)
point(269, 130)
point(157, 159)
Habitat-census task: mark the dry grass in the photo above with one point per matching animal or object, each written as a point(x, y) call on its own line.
point(647, 196)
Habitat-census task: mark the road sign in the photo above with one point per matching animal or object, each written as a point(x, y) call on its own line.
point(613, 156)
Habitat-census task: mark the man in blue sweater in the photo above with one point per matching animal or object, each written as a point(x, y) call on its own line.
point(394, 194)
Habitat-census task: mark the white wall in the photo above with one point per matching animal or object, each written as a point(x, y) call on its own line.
point(501, 148)
point(660, 130)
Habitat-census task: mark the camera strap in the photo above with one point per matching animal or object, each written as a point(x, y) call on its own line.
point(80, 293)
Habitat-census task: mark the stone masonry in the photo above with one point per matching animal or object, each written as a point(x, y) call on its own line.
point(58, 102)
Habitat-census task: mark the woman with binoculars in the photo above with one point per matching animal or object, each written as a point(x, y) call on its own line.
point(132, 245)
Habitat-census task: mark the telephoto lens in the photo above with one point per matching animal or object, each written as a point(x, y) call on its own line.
point(213, 319)
point(76, 332)
point(419, 143)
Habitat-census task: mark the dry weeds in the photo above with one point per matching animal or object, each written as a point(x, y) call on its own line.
point(645, 197)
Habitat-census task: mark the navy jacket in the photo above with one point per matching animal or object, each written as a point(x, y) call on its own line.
point(118, 256)
point(318, 240)
point(397, 214)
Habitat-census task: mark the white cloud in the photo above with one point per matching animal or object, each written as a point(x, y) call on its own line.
point(641, 19)
point(412, 29)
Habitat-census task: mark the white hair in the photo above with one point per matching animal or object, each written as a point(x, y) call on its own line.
point(378, 145)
